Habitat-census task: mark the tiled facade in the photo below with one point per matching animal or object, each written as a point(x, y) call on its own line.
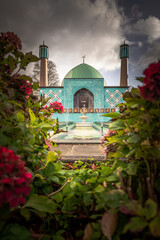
point(105, 99)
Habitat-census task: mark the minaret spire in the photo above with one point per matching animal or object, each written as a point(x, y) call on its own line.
point(43, 55)
point(124, 55)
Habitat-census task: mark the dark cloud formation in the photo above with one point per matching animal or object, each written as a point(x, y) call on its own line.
point(95, 28)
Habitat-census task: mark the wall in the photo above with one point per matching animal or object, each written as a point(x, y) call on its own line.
point(105, 98)
point(96, 86)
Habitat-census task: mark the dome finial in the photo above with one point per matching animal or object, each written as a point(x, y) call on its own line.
point(83, 58)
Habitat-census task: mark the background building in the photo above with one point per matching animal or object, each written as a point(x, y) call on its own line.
point(84, 86)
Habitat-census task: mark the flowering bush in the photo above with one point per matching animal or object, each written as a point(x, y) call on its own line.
point(48, 143)
point(108, 133)
point(21, 85)
point(14, 179)
point(9, 39)
point(151, 89)
point(56, 107)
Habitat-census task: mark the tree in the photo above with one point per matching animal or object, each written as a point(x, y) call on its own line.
point(53, 78)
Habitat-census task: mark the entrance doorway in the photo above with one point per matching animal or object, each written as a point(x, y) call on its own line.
point(83, 97)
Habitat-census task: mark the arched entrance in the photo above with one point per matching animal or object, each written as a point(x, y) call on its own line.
point(83, 96)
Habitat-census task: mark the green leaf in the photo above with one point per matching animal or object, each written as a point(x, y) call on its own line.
point(113, 178)
point(35, 86)
point(27, 58)
point(87, 198)
point(49, 170)
point(25, 213)
point(14, 232)
point(92, 180)
point(45, 125)
point(54, 179)
point(117, 125)
point(11, 62)
point(132, 168)
point(112, 115)
point(114, 198)
point(131, 152)
point(28, 148)
point(51, 157)
point(41, 203)
point(47, 189)
point(69, 205)
point(154, 226)
point(27, 78)
point(39, 176)
point(133, 139)
point(136, 224)
point(99, 189)
point(58, 237)
point(150, 209)
point(20, 117)
point(32, 116)
point(4, 140)
point(58, 197)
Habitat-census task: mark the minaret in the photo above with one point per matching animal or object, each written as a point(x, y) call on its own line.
point(43, 55)
point(124, 55)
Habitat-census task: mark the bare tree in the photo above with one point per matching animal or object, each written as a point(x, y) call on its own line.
point(53, 78)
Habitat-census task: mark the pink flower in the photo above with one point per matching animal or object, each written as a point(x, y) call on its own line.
point(108, 133)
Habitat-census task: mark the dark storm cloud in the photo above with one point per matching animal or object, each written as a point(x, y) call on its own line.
point(73, 28)
point(70, 27)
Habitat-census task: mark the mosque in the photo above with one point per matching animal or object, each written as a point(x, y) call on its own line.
point(84, 86)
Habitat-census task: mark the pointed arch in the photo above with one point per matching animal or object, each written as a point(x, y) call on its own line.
point(83, 96)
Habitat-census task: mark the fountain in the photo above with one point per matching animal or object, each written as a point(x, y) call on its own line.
point(83, 117)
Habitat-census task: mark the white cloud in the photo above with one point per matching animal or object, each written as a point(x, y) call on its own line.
point(96, 33)
point(149, 27)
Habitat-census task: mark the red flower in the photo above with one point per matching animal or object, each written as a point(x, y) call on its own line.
point(14, 179)
point(57, 107)
point(21, 84)
point(151, 89)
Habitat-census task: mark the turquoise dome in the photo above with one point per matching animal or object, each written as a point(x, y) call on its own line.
point(83, 71)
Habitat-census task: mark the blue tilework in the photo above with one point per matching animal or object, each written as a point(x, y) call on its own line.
point(103, 98)
point(74, 117)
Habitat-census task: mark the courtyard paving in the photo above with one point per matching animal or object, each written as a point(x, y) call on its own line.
point(80, 143)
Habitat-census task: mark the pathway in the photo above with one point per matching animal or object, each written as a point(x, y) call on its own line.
point(80, 143)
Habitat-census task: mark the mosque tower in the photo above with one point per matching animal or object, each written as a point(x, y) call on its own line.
point(43, 55)
point(124, 55)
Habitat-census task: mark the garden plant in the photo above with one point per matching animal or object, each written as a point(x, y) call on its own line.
point(42, 198)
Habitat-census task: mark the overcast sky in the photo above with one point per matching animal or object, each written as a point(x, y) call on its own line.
point(95, 28)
